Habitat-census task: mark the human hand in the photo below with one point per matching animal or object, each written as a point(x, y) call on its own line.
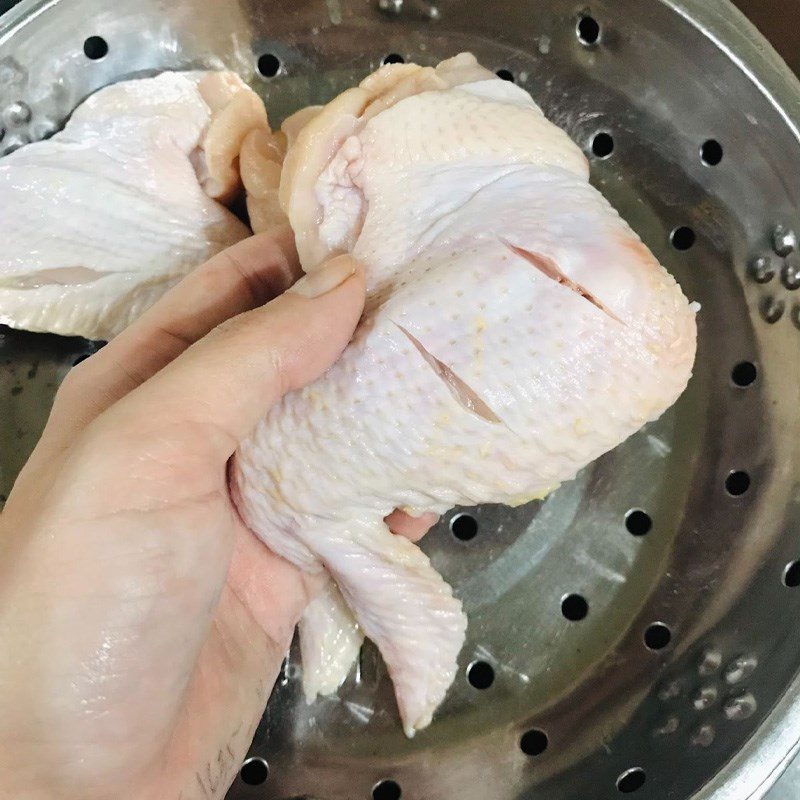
point(142, 624)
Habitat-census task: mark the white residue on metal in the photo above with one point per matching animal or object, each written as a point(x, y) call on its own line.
point(243, 55)
point(670, 726)
point(293, 672)
point(485, 655)
point(603, 570)
point(361, 712)
point(659, 446)
point(357, 675)
point(520, 676)
point(334, 11)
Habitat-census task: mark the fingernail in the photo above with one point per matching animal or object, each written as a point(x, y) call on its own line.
point(326, 278)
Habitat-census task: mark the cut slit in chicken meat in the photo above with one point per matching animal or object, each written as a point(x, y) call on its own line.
point(101, 219)
point(515, 329)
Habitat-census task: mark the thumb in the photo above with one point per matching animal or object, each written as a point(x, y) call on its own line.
point(223, 384)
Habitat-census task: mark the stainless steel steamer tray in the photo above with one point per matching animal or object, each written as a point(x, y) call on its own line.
point(638, 631)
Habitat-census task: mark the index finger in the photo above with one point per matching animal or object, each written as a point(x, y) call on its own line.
point(215, 393)
point(236, 280)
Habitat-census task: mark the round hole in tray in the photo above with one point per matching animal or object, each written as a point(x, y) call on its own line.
point(683, 238)
point(737, 483)
point(631, 780)
point(588, 30)
point(574, 607)
point(480, 675)
point(603, 145)
point(386, 790)
point(638, 522)
point(534, 742)
point(657, 636)
point(464, 527)
point(744, 374)
point(254, 771)
point(711, 152)
point(269, 65)
point(95, 48)
point(791, 575)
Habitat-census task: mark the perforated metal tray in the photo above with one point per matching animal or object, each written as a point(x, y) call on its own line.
point(680, 678)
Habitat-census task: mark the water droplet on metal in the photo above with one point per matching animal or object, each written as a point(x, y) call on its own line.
point(18, 113)
point(796, 316)
point(710, 662)
point(60, 92)
point(43, 129)
point(784, 240)
point(704, 698)
point(12, 143)
point(11, 73)
point(761, 269)
point(669, 726)
point(740, 707)
point(740, 668)
point(771, 309)
point(282, 677)
point(289, 672)
point(432, 11)
point(391, 6)
point(293, 672)
point(360, 711)
point(703, 736)
point(790, 274)
point(669, 691)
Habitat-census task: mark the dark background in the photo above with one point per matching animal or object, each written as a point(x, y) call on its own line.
point(777, 20)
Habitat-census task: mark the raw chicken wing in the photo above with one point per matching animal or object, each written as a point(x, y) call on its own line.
point(105, 216)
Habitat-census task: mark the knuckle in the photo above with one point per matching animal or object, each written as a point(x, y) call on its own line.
point(73, 381)
point(230, 328)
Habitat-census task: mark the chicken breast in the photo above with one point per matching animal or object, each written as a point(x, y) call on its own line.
point(105, 216)
point(515, 329)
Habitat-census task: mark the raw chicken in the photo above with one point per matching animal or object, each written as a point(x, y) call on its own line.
point(515, 329)
point(260, 162)
point(104, 217)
